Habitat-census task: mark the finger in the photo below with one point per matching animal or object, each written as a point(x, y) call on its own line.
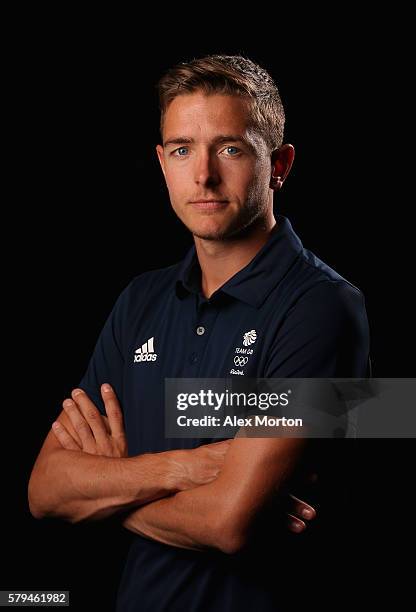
point(295, 524)
point(66, 422)
point(107, 424)
point(93, 418)
point(64, 438)
point(80, 425)
point(113, 410)
point(302, 509)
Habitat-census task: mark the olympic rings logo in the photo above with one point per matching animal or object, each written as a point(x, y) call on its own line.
point(240, 361)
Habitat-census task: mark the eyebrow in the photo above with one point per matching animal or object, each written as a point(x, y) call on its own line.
point(180, 140)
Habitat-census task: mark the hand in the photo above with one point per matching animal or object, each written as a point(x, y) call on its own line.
point(96, 434)
point(197, 466)
point(299, 512)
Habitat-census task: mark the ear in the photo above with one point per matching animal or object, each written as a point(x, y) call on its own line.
point(159, 151)
point(281, 163)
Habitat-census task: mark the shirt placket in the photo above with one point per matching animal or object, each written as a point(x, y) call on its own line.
point(202, 328)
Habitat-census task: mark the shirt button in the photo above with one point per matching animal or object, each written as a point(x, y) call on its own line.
point(200, 330)
point(193, 358)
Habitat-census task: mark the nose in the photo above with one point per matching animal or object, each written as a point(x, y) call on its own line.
point(206, 169)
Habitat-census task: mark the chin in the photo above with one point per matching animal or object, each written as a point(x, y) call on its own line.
point(228, 232)
point(209, 228)
point(212, 233)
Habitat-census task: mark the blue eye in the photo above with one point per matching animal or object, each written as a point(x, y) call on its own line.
point(181, 149)
point(235, 150)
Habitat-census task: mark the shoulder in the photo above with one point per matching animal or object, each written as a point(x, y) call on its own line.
point(149, 282)
point(153, 280)
point(328, 307)
point(322, 289)
point(324, 333)
point(320, 300)
point(333, 295)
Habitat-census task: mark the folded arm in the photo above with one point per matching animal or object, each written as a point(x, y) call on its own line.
point(83, 471)
point(220, 514)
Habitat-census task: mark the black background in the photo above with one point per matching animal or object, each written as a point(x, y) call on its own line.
point(89, 211)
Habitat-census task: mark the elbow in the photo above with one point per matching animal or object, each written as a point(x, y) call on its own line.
point(230, 539)
point(39, 491)
point(35, 507)
point(35, 512)
point(232, 544)
point(40, 504)
point(45, 501)
point(40, 511)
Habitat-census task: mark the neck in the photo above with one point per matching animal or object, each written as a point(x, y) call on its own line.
point(221, 259)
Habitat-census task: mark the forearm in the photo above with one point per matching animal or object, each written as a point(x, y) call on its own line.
point(222, 513)
point(189, 519)
point(79, 486)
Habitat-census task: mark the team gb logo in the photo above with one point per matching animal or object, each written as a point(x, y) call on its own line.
point(249, 337)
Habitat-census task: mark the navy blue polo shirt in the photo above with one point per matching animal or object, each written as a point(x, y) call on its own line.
point(306, 321)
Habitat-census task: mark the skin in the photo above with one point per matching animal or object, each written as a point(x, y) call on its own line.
point(87, 431)
point(101, 480)
point(243, 173)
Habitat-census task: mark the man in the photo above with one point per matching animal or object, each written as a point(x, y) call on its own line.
point(198, 509)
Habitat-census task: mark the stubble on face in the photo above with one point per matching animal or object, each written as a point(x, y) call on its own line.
point(243, 183)
point(250, 216)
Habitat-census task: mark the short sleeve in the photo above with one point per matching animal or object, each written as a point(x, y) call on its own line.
point(324, 335)
point(106, 364)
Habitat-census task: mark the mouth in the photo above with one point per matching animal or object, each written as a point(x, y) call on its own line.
point(209, 204)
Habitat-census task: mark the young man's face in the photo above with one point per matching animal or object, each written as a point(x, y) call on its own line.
point(217, 169)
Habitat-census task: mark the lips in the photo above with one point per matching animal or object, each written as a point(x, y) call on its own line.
point(209, 204)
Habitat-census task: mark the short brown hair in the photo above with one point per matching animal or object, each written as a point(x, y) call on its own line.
point(230, 75)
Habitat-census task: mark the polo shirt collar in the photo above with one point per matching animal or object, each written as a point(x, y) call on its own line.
point(253, 283)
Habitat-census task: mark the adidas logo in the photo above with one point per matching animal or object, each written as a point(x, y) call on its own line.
point(145, 352)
